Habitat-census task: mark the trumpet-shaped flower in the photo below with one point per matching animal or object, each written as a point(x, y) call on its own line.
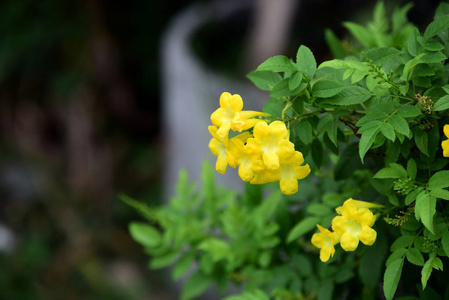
point(218, 146)
point(242, 159)
point(445, 144)
point(230, 115)
point(270, 142)
point(354, 225)
point(290, 171)
point(325, 240)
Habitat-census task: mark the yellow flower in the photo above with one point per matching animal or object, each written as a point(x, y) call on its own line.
point(242, 159)
point(354, 225)
point(290, 171)
point(325, 240)
point(230, 115)
point(445, 144)
point(218, 146)
point(269, 142)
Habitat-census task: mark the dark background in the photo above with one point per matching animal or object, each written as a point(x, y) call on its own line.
point(80, 123)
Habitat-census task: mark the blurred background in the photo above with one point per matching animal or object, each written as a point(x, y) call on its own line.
point(99, 98)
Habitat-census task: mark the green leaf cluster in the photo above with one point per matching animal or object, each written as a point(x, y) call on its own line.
point(370, 123)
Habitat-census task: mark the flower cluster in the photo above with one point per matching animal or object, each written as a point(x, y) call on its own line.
point(351, 226)
point(266, 155)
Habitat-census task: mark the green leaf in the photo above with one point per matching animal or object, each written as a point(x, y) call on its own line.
point(439, 180)
point(302, 227)
point(305, 61)
point(399, 124)
point(305, 132)
point(319, 210)
point(415, 257)
point(197, 284)
point(391, 172)
point(412, 195)
point(274, 107)
point(164, 260)
point(327, 88)
point(361, 33)
point(278, 63)
point(383, 55)
point(388, 131)
point(264, 80)
point(440, 194)
point(421, 140)
point(367, 140)
point(391, 277)
point(145, 234)
point(425, 209)
point(427, 270)
point(326, 290)
point(409, 111)
point(348, 96)
point(403, 241)
point(334, 44)
point(441, 104)
point(412, 168)
point(410, 66)
point(217, 248)
point(294, 81)
point(183, 265)
point(438, 25)
point(445, 242)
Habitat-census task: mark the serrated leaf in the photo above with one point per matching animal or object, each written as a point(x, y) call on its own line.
point(399, 124)
point(348, 96)
point(427, 270)
point(415, 257)
point(278, 63)
point(383, 55)
point(302, 227)
point(326, 88)
point(440, 194)
point(295, 80)
point(305, 61)
point(445, 242)
point(264, 80)
point(367, 140)
point(412, 195)
point(410, 66)
point(371, 116)
point(438, 25)
point(274, 107)
point(391, 277)
point(439, 180)
point(425, 209)
point(409, 111)
point(388, 131)
point(441, 104)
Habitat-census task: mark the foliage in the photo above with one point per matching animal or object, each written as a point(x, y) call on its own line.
point(370, 125)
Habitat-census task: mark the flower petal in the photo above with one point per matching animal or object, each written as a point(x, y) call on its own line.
point(349, 242)
point(367, 235)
